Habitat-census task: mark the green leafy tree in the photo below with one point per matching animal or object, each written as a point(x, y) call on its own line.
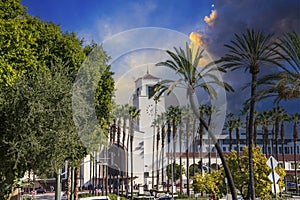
point(194, 169)
point(28, 43)
point(240, 172)
point(38, 66)
point(212, 183)
point(170, 172)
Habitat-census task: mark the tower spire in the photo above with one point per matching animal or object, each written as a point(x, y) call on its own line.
point(147, 69)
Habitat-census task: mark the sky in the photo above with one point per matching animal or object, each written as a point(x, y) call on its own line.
point(136, 33)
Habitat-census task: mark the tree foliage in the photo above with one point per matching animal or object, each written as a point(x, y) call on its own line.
point(177, 167)
point(212, 183)
point(28, 43)
point(38, 67)
point(239, 168)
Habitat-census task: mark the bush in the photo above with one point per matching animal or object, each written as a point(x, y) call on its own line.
point(114, 197)
point(83, 195)
point(28, 198)
point(183, 196)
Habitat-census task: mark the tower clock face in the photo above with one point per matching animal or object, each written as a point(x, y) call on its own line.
point(150, 110)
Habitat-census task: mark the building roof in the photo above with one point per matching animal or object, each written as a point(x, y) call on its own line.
point(149, 76)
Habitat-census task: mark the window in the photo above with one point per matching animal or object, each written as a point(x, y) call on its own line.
point(280, 150)
point(150, 90)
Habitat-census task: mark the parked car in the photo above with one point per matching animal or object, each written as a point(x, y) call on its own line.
point(291, 184)
point(40, 190)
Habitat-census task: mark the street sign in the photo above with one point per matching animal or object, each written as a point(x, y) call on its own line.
point(276, 177)
point(271, 161)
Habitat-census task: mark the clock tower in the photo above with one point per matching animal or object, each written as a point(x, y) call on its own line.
point(149, 109)
point(141, 99)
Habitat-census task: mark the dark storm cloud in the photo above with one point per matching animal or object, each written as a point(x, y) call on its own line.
point(235, 16)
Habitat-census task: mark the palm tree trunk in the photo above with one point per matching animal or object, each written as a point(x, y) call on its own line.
point(273, 139)
point(218, 148)
point(209, 139)
point(237, 132)
point(247, 129)
point(230, 139)
point(153, 152)
point(276, 136)
point(157, 156)
point(127, 171)
point(169, 139)
point(255, 133)
point(68, 192)
point(194, 145)
point(201, 131)
point(174, 150)
point(250, 142)
point(180, 156)
point(266, 134)
point(77, 179)
point(295, 155)
point(163, 134)
point(131, 166)
point(119, 133)
point(124, 131)
point(187, 156)
point(282, 143)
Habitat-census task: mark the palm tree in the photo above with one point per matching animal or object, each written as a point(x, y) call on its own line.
point(180, 153)
point(237, 125)
point(295, 119)
point(159, 121)
point(277, 113)
point(169, 140)
point(157, 152)
point(264, 118)
point(245, 111)
point(255, 124)
point(174, 113)
point(134, 113)
point(184, 63)
point(250, 51)
point(163, 137)
point(284, 118)
point(209, 112)
point(284, 85)
point(187, 118)
point(230, 125)
point(194, 119)
point(202, 111)
point(124, 114)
